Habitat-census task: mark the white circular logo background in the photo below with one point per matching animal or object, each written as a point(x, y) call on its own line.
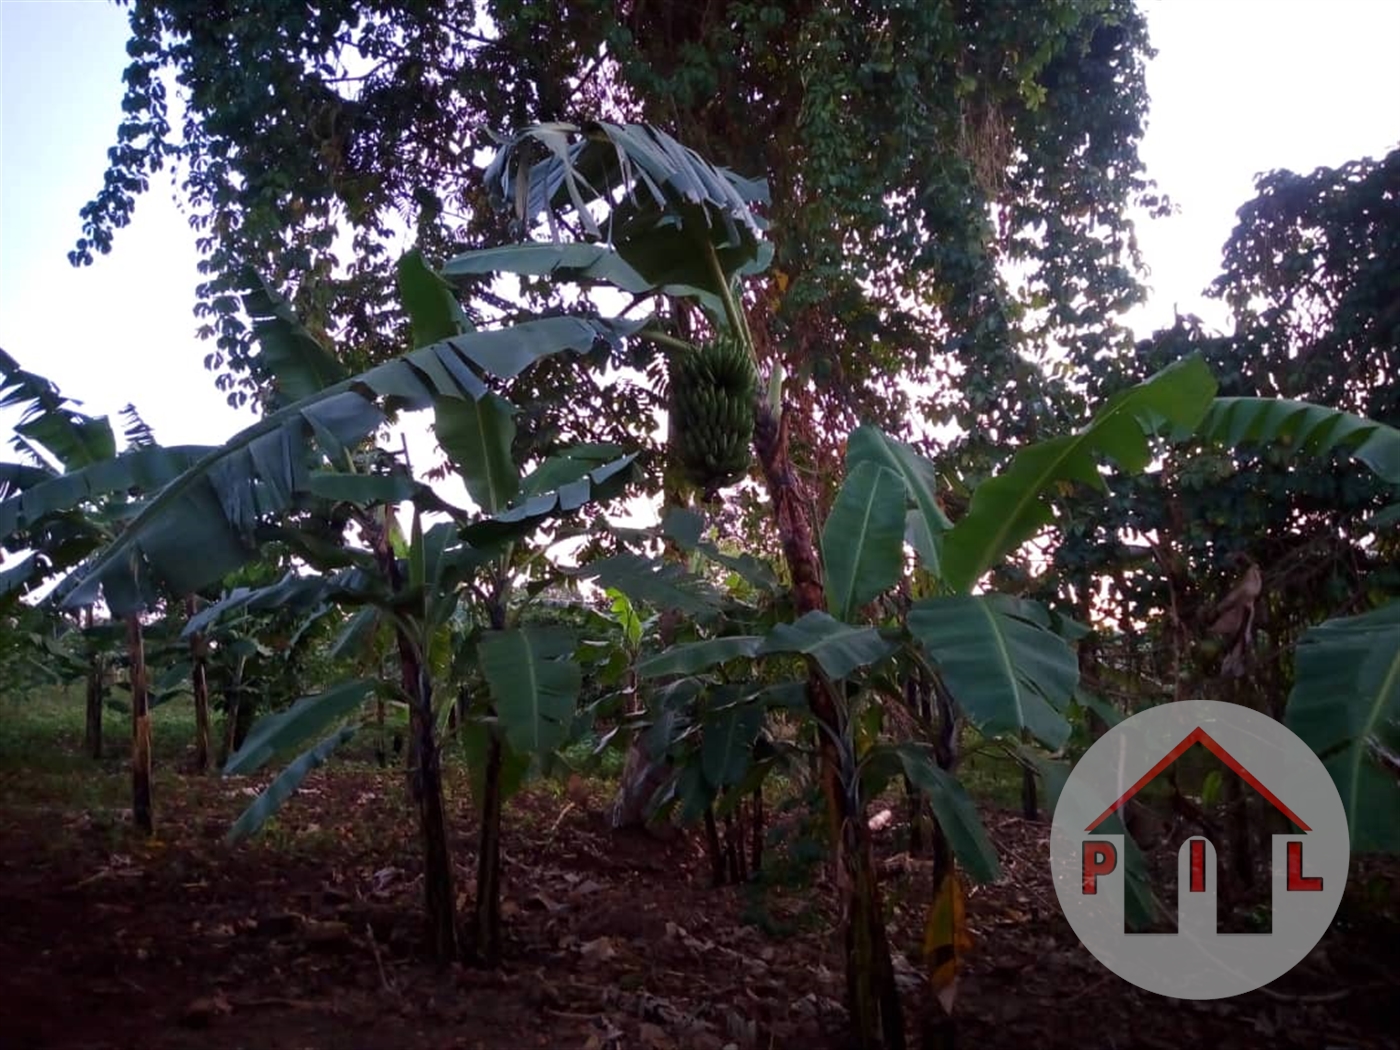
point(1309, 868)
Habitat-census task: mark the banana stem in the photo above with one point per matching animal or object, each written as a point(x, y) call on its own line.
point(665, 340)
point(737, 320)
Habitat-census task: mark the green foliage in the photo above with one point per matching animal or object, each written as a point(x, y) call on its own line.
point(1310, 272)
point(515, 765)
point(1000, 661)
point(837, 648)
point(284, 785)
point(674, 219)
point(48, 421)
point(925, 521)
point(573, 261)
point(291, 359)
point(1313, 430)
point(201, 525)
point(432, 307)
point(1010, 508)
point(727, 746)
point(664, 586)
point(60, 515)
point(477, 435)
point(1286, 469)
point(890, 134)
point(1345, 705)
point(278, 733)
point(697, 656)
point(862, 542)
point(954, 811)
point(534, 683)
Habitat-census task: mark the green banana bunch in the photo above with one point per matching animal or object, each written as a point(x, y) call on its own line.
point(712, 393)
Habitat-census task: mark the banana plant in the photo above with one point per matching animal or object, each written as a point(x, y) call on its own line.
point(88, 650)
point(647, 183)
point(72, 498)
point(1345, 704)
point(302, 453)
point(674, 723)
point(1004, 662)
point(1345, 700)
point(209, 519)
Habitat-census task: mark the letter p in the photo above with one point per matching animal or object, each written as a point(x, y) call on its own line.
point(1100, 858)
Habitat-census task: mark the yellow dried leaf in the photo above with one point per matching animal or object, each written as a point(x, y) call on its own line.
point(946, 938)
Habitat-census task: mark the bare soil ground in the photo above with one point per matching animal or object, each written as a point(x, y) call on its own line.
point(308, 937)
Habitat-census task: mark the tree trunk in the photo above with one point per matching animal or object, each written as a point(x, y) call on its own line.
point(488, 864)
point(140, 729)
point(424, 775)
point(1241, 833)
point(242, 720)
point(96, 695)
point(439, 899)
point(917, 691)
point(736, 863)
point(872, 996)
point(914, 813)
point(199, 682)
point(1029, 808)
point(938, 1026)
point(642, 775)
point(226, 749)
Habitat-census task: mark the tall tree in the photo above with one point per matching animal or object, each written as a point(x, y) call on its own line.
point(912, 151)
point(1311, 274)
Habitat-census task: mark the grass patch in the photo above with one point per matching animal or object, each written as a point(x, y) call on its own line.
point(43, 763)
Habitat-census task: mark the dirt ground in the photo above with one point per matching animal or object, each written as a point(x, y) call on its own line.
point(308, 937)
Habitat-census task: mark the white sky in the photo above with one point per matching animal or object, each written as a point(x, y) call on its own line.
point(1239, 87)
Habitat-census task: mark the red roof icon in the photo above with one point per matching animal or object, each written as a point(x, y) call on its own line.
point(1199, 736)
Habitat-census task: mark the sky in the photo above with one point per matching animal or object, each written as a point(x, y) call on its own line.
point(1239, 87)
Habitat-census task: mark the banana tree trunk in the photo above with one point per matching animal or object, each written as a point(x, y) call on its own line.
point(873, 999)
point(425, 776)
point(488, 860)
point(642, 774)
point(236, 720)
point(140, 729)
point(199, 684)
point(488, 864)
point(96, 694)
point(918, 698)
point(938, 1025)
point(439, 899)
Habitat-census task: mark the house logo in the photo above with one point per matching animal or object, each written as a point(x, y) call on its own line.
point(1090, 865)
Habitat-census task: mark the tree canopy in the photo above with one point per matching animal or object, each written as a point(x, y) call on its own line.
point(912, 150)
point(1310, 276)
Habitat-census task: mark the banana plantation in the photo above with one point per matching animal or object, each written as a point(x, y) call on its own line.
point(712, 679)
